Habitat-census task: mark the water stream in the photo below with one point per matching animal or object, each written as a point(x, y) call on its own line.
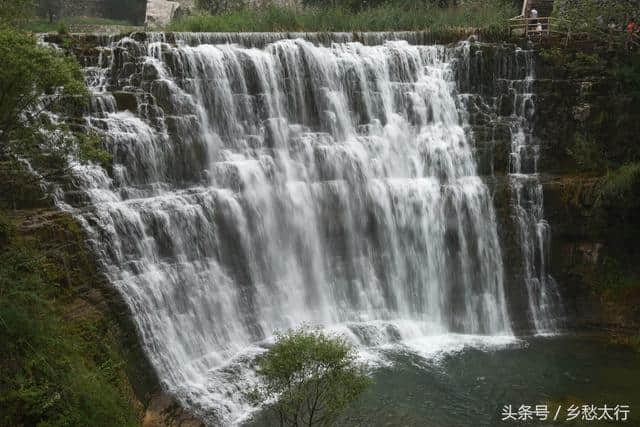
point(545, 308)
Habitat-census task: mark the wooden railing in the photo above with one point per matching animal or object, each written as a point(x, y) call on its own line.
point(533, 27)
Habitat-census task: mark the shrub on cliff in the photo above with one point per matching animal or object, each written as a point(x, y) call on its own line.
point(620, 189)
point(310, 376)
point(15, 12)
point(36, 81)
point(60, 361)
point(33, 80)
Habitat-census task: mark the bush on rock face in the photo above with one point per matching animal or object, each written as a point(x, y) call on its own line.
point(28, 92)
point(29, 96)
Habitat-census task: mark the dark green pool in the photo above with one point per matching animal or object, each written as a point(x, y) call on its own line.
point(471, 387)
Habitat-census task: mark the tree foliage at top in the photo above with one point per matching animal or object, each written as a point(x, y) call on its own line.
point(311, 377)
point(15, 12)
point(33, 81)
point(596, 19)
point(36, 81)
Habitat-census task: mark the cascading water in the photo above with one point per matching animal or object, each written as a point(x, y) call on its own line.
point(256, 189)
point(527, 197)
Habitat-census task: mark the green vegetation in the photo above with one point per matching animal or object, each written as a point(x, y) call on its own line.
point(311, 377)
point(614, 275)
point(485, 15)
point(220, 6)
point(603, 20)
point(28, 92)
point(15, 12)
point(632, 341)
point(60, 362)
point(28, 95)
point(49, 15)
point(604, 142)
point(365, 4)
point(623, 181)
point(621, 187)
point(604, 138)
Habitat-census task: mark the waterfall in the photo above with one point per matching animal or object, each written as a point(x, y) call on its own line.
point(257, 189)
point(545, 307)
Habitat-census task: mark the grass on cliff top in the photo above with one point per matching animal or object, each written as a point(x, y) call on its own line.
point(483, 15)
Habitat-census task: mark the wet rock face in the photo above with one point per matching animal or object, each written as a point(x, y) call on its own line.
point(595, 255)
point(494, 79)
point(164, 411)
point(490, 79)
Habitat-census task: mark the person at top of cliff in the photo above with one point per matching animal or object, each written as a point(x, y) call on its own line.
point(533, 16)
point(630, 28)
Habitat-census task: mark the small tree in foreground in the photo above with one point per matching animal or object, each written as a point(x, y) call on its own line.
point(310, 377)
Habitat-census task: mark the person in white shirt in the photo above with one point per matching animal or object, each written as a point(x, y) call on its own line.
point(534, 20)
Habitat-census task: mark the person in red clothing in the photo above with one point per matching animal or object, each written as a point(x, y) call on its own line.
point(631, 30)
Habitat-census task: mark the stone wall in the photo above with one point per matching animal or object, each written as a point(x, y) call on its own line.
point(160, 12)
point(83, 8)
point(95, 9)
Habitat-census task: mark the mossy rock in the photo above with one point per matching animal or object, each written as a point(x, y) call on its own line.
point(126, 101)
